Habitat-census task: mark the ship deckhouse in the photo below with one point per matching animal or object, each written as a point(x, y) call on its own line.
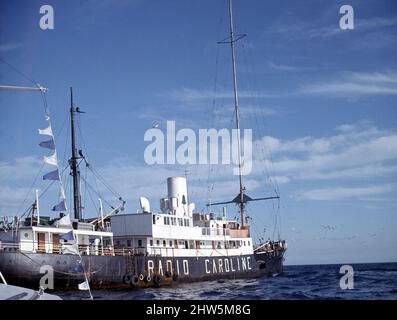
point(177, 230)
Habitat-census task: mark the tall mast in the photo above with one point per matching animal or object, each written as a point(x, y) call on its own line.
point(74, 165)
point(241, 199)
point(237, 112)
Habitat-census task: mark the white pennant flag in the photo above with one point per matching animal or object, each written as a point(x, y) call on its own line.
point(46, 131)
point(63, 222)
point(51, 159)
point(70, 249)
point(62, 193)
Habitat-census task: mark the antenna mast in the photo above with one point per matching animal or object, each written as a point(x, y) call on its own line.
point(237, 111)
point(74, 165)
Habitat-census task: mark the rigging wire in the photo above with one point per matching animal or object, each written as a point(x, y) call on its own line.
point(89, 166)
point(21, 73)
point(211, 168)
point(30, 189)
point(98, 194)
point(267, 166)
point(92, 200)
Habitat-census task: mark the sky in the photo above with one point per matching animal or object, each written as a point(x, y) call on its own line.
point(321, 102)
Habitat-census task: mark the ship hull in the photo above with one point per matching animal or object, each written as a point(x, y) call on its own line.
point(63, 272)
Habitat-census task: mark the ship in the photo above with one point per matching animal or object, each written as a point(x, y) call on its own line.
point(134, 250)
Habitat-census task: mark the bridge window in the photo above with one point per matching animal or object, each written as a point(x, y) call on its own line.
point(151, 242)
point(139, 243)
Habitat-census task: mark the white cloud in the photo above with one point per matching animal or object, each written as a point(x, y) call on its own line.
point(357, 151)
point(249, 111)
point(21, 168)
point(387, 77)
point(356, 84)
point(283, 67)
point(316, 28)
point(189, 95)
point(375, 23)
point(7, 47)
point(340, 193)
point(347, 88)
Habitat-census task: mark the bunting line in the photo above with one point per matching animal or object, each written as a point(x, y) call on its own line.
point(53, 175)
point(52, 160)
point(48, 144)
point(47, 131)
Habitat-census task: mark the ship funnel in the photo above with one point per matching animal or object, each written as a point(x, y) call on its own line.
point(145, 204)
point(177, 195)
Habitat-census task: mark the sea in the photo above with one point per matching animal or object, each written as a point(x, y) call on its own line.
point(371, 281)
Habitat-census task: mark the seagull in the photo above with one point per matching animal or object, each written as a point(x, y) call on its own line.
point(156, 125)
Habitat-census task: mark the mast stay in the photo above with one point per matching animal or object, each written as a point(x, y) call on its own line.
point(241, 199)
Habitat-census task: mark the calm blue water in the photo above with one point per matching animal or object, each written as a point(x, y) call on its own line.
point(371, 281)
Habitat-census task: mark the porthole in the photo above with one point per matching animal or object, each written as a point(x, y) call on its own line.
point(26, 235)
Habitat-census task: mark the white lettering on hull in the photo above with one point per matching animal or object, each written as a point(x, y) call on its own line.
point(226, 265)
point(244, 264)
point(206, 262)
point(185, 267)
point(169, 266)
point(211, 266)
point(220, 265)
point(161, 268)
point(150, 266)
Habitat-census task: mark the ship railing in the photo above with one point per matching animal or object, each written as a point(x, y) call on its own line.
point(101, 250)
point(133, 251)
point(57, 249)
point(9, 246)
point(129, 251)
point(92, 250)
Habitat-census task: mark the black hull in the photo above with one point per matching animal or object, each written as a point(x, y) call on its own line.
point(21, 268)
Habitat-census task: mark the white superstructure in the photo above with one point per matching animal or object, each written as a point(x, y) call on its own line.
point(177, 231)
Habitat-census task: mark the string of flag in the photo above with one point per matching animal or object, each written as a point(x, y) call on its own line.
point(52, 160)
